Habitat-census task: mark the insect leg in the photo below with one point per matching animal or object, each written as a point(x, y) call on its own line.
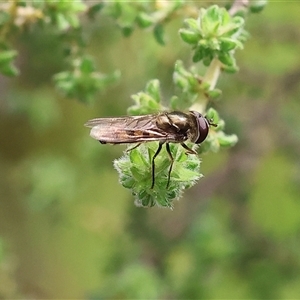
point(153, 163)
point(128, 150)
point(172, 161)
point(189, 150)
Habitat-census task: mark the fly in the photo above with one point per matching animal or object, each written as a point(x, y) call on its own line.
point(165, 127)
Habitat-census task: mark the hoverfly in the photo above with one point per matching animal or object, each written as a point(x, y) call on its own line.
point(165, 127)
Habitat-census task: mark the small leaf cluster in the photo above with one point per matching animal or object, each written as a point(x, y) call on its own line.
point(217, 139)
point(142, 14)
point(214, 37)
point(63, 17)
point(215, 34)
point(135, 166)
point(148, 101)
point(20, 15)
point(83, 81)
point(7, 57)
point(63, 14)
point(12, 16)
point(135, 169)
point(191, 86)
point(257, 6)
point(135, 174)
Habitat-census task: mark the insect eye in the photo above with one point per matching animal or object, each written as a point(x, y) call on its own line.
point(203, 127)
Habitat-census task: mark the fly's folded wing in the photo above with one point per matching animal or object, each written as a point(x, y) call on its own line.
point(132, 129)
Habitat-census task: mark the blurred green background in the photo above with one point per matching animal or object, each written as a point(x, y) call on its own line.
point(69, 230)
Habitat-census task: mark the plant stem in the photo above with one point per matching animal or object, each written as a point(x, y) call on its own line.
point(211, 77)
point(213, 71)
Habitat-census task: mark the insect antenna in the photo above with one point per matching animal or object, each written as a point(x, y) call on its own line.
point(211, 122)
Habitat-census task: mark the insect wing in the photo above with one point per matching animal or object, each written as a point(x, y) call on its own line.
point(126, 129)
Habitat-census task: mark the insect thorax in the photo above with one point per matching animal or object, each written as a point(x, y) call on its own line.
point(182, 124)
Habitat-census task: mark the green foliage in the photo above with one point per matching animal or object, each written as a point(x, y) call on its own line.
point(82, 81)
point(144, 14)
point(63, 13)
point(191, 88)
point(218, 138)
point(69, 230)
point(6, 63)
point(147, 102)
point(257, 5)
point(134, 167)
point(135, 174)
point(189, 84)
point(215, 34)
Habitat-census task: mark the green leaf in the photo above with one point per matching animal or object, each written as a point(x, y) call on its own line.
point(145, 20)
point(127, 182)
point(213, 115)
point(73, 20)
point(213, 14)
point(210, 21)
point(215, 33)
point(227, 140)
point(233, 28)
point(127, 30)
point(153, 89)
point(61, 21)
point(159, 34)
point(193, 24)
point(207, 58)
point(6, 63)
point(257, 5)
point(214, 94)
point(87, 65)
point(230, 69)
point(198, 55)
point(147, 102)
point(94, 9)
point(7, 56)
point(228, 44)
point(9, 70)
point(226, 58)
point(136, 158)
point(137, 173)
point(189, 36)
point(127, 17)
point(185, 173)
point(83, 82)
